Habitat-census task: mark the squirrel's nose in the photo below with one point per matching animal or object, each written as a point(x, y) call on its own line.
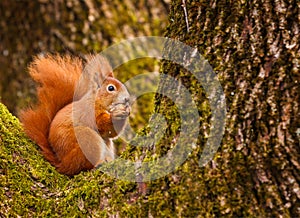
point(126, 100)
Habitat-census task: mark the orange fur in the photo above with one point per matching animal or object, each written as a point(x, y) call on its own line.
point(51, 123)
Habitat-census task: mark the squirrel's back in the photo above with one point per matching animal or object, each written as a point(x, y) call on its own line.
point(57, 77)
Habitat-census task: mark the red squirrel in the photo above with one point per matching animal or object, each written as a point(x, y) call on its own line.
point(80, 109)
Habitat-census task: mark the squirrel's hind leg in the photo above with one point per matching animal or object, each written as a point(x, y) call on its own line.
point(74, 162)
point(95, 149)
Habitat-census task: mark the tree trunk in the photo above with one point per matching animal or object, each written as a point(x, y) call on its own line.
point(253, 47)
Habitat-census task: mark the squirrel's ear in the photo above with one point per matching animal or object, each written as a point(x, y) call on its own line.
point(110, 74)
point(98, 64)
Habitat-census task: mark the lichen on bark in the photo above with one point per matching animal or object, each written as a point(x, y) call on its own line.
point(253, 48)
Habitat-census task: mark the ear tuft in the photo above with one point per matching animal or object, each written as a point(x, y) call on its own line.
point(98, 64)
point(110, 74)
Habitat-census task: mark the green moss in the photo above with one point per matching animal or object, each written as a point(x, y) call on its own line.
point(24, 181)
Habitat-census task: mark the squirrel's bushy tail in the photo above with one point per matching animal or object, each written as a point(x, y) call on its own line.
point(57, 77)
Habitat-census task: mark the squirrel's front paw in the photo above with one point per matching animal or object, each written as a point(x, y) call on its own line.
point(122, 114)
point(120, 111)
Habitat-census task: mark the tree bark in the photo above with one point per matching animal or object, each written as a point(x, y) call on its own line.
point(253, 47)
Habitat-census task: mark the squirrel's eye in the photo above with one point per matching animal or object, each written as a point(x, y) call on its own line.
point(111, 88)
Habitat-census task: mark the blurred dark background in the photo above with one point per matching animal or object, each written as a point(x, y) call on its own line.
point(68, 26)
